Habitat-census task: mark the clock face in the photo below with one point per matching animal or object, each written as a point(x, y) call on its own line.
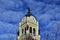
point(33, 19)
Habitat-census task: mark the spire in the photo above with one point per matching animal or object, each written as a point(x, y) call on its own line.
point(28, 10)
point(28, 13)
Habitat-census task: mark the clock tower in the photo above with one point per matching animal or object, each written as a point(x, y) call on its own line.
point(28, 28)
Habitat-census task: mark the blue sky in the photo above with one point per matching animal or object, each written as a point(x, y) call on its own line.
point(47, 13)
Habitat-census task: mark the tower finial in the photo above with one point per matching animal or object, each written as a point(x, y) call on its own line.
point(28, 13)
point(28, 10)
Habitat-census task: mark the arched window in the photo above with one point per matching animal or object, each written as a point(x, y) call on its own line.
point(25, 30)
point(34, 31)
point(27, 27)
point(30, 29)
point(22, 32)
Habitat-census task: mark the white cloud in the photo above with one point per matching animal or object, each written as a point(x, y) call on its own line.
point(56, 2)
point(53, 26)
point(11, 16)
point(11, 4)
point(8, 36)
point(45, 19)
point(8, 28)
point(57, 16)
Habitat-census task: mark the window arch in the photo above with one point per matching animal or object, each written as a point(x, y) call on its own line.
point(30, 29)
point(34, 31)
point(25, 30)
point(22, 31)
point(27, 27)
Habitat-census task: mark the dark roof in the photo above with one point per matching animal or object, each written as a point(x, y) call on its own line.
point(28, 13)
